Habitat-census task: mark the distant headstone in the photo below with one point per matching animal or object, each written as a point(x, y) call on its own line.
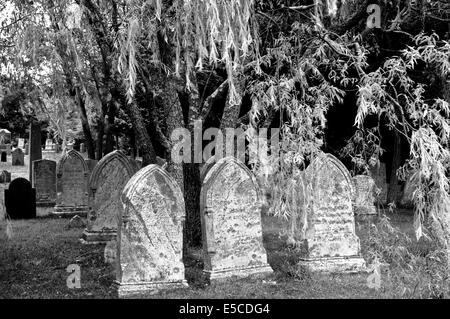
point(70, 146)
point(378, 173)
point(330, 242)
point(364, 201)
point(5, 148)
point(4, 156)
point(5, 177)
point(76, 222)
point(407, 199)
point(5, 136)
point(71, 185)
point(20, 199)
point(230, 206)
point(35, 147)
point(110, 252)
point(150, 236)
point(26, 149)
point(49, 146)
point(17, 157)
point(82, 148)
point(106, 183)
point(44, 182)
point(21, 143)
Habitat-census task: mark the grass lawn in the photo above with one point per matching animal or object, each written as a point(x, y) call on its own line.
point(33, 265)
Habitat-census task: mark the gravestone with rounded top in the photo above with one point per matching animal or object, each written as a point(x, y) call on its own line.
point(150, 235)
point(106, 183)
point(5, 177)
point(330, 242)
point(44, 181)
point(364, 201)
point(71, 185)
point(20, 199)
point(17, 157)
point(230, 206)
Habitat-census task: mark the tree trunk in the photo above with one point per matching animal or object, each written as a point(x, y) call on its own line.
point(85, 125)
point(109, 143)
point(394, 188)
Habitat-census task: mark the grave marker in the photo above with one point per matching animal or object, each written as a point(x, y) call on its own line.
point(44, 181)
point(150, 236)
point(230, 206)
point(20, 199)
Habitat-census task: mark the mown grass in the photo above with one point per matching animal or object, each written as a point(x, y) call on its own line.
point(33, 265)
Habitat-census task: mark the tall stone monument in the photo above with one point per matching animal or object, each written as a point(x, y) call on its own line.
point(35, 149)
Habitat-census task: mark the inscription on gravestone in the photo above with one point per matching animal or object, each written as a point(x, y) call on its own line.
point(150, 236)
point(231, 222)
point(44, 181)
point(71, 184)
point(105, 187)
point(330, 241)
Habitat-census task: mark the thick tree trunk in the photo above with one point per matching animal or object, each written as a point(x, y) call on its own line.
point(109, 143)
point(99, 142)
point(394, 187)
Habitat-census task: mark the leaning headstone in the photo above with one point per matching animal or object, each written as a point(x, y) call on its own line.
point(20, 199)
point(5, 177)
point(378, 173)
point(150, 236)
point(71, 185)
point(106, 183)
point(364, 201)
point(44, 181)
point(4, 156)
point(17, 157)
point(35, 147)
point(230, 206)
point(330, 242)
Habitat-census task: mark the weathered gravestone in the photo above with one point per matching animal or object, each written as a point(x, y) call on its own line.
point(5, 177)
point(20, 199)
point(21, 143)
point(330, 242)
point(17, 157)
point(378, 173)
point(82, 148)
point(150, 236)
point(411, 184)
point(106, 183)
point(35, 147)
point(44, 182)
point(230, 206)
point(364, 200)
point(71, 185)
point(4, 156)
point(26, 149)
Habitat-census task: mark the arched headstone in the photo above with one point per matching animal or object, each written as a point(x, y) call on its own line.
point(44, 181)
point(71, 185)
point(150, 234)
point(106, 183)
point(230, 206)
point(330, 241)
point(364, 202)
point(20, 199)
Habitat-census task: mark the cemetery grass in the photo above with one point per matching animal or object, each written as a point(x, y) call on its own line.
point(33, 265)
